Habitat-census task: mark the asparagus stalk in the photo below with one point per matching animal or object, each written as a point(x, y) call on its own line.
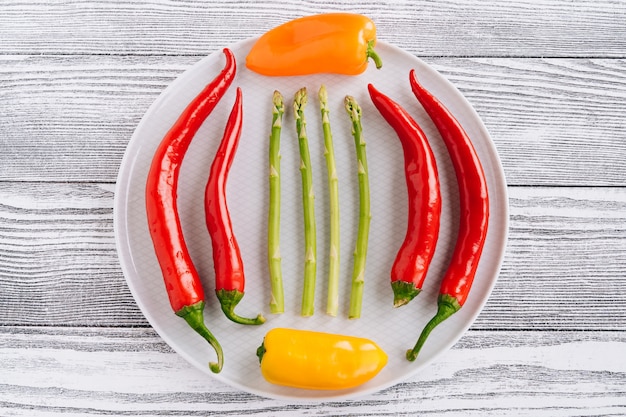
point(277, 301)
point(310, 265)
point(332, 305)
point(360, 253)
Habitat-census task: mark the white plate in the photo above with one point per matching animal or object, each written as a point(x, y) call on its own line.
point(394, 329)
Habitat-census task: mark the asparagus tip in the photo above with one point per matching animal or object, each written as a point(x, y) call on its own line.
point(300, 98)
point(353, 108)
point(323, 94)
point(277, 100)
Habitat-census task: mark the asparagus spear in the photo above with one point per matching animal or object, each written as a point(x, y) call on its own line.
point(332, 305)
point(277, 301)
point(360, 253)
point(310, 265)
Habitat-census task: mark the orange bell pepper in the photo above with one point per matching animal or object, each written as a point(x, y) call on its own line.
point(339, 43)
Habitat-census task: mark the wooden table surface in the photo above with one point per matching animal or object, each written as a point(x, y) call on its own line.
point(548, 78)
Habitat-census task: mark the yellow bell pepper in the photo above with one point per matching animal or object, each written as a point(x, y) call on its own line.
point(319, 361)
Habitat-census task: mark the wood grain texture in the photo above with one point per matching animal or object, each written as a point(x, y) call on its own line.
point(113, 371)
point(564, 267)
point(564, 259)
point(443, 28)
point(74, 112)
point(554, 121)
point(58, 260)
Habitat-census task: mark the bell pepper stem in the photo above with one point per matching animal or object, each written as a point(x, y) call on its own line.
point(260, 351)
point(228, 300)
point(193, 315)
point(371, 53)
point(403, 292)
point(446, 306)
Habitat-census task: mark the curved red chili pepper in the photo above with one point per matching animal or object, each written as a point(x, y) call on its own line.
point(422, 179)
point(474, 208)
point(182, 281)
point(229, 273)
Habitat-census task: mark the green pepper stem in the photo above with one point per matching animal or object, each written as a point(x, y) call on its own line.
point(365, 215)
point(308, 198)
point(403, 292)
point(193, 315)
point(332, 305)
point(260, 351)
point(371, 53)
point(228, 300)
point(446, 306)
point(277, 301)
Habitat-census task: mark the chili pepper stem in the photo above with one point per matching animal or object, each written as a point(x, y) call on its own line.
point(446, 306)
point(365, 215)
point(308, 198)
point(193, 315)
point(228, 300)
point(371, 53)
point(277, 301)
point(332, 305)
point(403, 292)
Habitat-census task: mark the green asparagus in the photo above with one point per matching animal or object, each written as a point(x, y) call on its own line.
point(277, 301)
point(332, 305)
point(308, 197)
point(360, 253)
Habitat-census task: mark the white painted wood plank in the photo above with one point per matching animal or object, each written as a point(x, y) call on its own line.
point(565, 264)
point(554, 121)
point(564, 261)
point(70, 119)
point(442, 28)
point(551, 119)
point(57, 244)
point(109, 371)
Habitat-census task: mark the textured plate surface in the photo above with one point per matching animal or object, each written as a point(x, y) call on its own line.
point(394, 329)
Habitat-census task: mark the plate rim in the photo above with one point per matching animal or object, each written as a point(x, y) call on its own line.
point(121, 232)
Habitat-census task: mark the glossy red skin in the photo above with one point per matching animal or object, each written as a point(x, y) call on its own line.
point(229, 272)
point(182, 281)
point(473, 196)
point(424, 196)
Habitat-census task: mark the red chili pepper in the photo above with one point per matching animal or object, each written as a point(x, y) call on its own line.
point(229, 272)
point(474, 208)
point(422, 179)
point(182, 281)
